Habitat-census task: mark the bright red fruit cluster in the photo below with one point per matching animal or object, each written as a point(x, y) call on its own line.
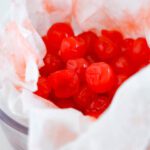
point(84, 71)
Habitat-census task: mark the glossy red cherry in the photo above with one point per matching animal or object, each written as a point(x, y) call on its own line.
point(114, 35)
point(65, 103)
point(65, 83)
point(72, 48)
point(100, 77)
point(98, 106)
point(56, 34)
point(122, 65)
point(90, 39)
point(45, 40)
point(88, 84)
point(84, 98)
point(127, 45)
point(139, 54)
point(106, 49)
point(121, 78)
point(90, 59)
point(44, 87)
point(79, 66)
point(52, 64)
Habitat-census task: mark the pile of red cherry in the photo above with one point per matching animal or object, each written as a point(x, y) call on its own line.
point(84, 71)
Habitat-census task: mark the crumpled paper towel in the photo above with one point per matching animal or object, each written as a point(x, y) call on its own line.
point(124, 126)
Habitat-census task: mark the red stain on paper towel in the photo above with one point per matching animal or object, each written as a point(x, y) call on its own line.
point(20, 49)
point(47, 6)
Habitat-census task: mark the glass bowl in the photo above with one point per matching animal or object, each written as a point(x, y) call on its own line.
point(14, 131)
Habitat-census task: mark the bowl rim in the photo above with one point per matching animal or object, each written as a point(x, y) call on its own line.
point(12, 123)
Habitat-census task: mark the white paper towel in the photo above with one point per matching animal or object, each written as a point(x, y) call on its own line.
point(124, 126)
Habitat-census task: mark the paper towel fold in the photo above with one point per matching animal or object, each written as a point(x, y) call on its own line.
point(125, 125)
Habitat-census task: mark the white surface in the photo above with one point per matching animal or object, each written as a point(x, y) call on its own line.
point(4, 145)
point(4, 7)
point(93, 139)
